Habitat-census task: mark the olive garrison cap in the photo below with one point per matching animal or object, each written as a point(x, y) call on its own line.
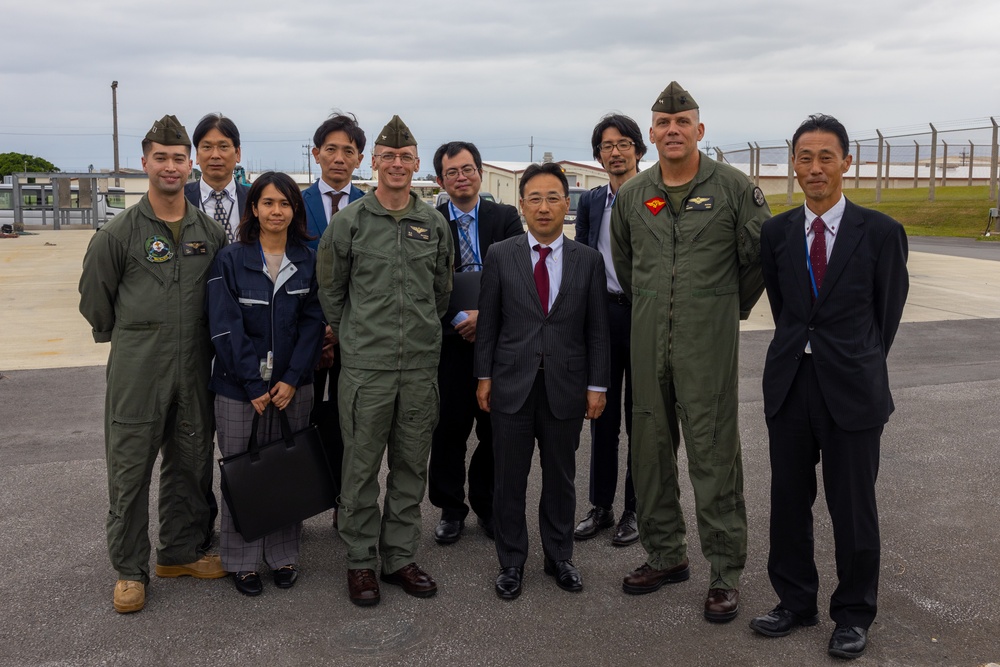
point(674, 99)
point(169, 132)
point(395, 134)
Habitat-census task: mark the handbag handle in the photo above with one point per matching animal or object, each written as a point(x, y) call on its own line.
point(253, 444)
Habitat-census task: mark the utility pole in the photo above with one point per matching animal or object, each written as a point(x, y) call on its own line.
point(309, 167)
point(114, 115)
point(531, 149)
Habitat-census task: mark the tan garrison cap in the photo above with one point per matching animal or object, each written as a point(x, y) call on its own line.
point(169, 132)
point(674, 99)
point(395, 134)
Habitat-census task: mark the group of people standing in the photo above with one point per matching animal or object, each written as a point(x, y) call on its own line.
point(337, 309)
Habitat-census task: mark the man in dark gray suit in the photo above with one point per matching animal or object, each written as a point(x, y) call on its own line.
point(543, 364)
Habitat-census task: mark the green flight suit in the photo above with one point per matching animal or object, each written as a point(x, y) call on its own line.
point(691, 277)
point(144, 292)
point(384, 286)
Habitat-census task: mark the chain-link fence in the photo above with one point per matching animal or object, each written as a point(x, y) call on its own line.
point(925, 156)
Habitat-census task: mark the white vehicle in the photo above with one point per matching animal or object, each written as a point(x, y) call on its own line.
point(37, 205)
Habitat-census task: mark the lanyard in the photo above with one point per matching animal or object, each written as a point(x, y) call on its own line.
point(812, 276)
point(455, 215)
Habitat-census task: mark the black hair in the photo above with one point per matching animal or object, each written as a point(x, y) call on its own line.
point(451, 149)
point(626, 126)
point(216, 121)
point(819, 122)
point(550, 168)
point(340, 122)
point(249, 229)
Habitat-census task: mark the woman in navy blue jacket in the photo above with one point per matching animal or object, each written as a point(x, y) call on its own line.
point(267, 328)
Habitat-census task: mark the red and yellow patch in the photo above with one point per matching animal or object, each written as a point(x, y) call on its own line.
point(655, 205)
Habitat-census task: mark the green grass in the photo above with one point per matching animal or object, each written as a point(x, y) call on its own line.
point(956, 210)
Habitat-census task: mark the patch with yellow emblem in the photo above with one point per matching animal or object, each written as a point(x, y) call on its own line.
point(417, 232)
point(656, 204)
point(158, 249)
point(699, 204)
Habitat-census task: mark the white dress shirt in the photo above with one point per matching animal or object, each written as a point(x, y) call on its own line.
point(229, 202)
point(325, 187)
point(604, 245)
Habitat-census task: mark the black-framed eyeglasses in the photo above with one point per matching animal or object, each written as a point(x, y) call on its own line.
point(468, 171)
point(622, 145)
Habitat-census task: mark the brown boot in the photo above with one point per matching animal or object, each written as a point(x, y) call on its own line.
point(129, 596)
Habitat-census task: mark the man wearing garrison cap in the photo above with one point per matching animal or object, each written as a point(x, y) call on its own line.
point(685, 239)
point(143, 289)
point(385, 276)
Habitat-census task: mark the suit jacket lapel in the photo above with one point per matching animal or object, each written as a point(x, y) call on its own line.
point(795, 243)
point(848, 236)
point(597, 204)
point(526, 270)
point(568, 270)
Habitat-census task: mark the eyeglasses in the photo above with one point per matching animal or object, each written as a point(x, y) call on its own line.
point(551, 200)
point(622, 145)
point(389, 158)
point(467, 171)
point(208, 148)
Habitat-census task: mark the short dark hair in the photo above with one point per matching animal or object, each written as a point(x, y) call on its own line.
point(341, 122)
point(451, 149)
point(819, 122)
point(249, 229)
point(550, 168)
point(147, 145)
point(216, 121)
point(628, 128)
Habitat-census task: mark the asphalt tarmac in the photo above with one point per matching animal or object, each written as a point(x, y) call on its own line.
point(938, 503)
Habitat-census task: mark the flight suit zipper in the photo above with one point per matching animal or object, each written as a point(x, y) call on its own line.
point(399, 300)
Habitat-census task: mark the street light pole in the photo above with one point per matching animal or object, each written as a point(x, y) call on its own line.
point(114, 114)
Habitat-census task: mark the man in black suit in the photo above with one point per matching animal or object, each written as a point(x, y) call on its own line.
point(836, 280)
point(216, 142)
point(475, 225)
point(542, 361)
point(217, 147)
point(618, 146)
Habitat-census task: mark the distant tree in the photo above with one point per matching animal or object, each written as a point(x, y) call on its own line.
point(12, 163)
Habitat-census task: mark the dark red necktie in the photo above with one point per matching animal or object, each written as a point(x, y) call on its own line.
point(817, 253)
point(542, 277)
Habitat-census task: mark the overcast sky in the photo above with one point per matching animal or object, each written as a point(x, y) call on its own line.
point(494, 73)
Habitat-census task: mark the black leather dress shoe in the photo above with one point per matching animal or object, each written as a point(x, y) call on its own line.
point(285, 576)
point(627, 531)
point(848, 642)
point(567, 576)
point(248, 583)
point(448, 532)
point(488, 528)
point(597, 519)
point(779, 622)
point(509, 581)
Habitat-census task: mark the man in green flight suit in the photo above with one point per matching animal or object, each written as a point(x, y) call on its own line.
point(143, 289)
point(685, 239)
point(385, 274)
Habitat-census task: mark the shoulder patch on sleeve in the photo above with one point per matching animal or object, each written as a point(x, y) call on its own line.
point(758, 197)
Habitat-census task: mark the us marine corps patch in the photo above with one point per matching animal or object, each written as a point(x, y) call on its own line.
point(655, 205)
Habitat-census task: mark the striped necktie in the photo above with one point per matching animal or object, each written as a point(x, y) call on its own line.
point(221, 215)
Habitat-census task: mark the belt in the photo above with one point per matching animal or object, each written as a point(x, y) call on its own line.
point(619, 298)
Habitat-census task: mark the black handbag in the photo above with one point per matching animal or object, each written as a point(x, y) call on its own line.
point(277, 484)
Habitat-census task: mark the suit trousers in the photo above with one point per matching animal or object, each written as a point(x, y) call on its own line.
point(801, 433)
point(605, 430)
point(234, 420)
point(558, 439)
point(459, 408)
point(394, 412)
point(326, 415)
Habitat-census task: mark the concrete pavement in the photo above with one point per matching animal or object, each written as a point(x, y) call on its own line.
point(937, 491)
